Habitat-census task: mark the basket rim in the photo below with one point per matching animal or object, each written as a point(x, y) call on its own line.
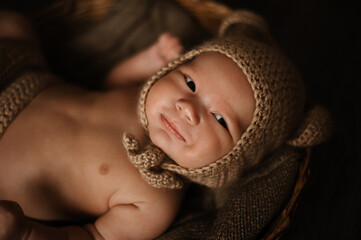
point(283, 221)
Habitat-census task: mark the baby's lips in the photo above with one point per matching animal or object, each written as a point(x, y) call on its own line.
point(171, 128)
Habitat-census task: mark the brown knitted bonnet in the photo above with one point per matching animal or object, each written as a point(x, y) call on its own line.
point(279, 95)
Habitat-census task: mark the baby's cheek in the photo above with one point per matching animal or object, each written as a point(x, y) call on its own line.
point(219, 145)
point(205, 152)
point(156, 136)
point(162, 140)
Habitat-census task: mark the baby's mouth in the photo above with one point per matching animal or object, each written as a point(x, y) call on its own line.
point(171, 128)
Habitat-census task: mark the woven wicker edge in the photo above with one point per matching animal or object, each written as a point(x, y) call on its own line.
point(283, 221)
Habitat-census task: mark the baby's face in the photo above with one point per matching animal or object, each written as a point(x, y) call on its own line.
point(198, 112)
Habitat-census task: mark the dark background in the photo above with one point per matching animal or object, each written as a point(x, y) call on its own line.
point(321, 38)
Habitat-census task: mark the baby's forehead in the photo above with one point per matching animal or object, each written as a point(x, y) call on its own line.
point(206, 57)
point(215, 60)
point(215, 63)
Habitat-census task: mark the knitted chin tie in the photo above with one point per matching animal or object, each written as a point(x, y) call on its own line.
point(149, 163)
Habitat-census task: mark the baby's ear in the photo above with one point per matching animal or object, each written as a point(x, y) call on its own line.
point(315, 128)
point(244, 23)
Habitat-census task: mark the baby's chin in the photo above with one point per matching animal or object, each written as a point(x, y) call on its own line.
point(161, 145)
point(189, 162)
point(186, 158)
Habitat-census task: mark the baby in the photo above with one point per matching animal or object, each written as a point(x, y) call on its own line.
point(206, 117)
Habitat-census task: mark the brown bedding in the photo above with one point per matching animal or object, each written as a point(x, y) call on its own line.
point(83, 52)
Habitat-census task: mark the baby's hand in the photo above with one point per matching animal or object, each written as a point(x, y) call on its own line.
point(142, 65)
point(168, 47)
point(164, 50)
point(13, 224)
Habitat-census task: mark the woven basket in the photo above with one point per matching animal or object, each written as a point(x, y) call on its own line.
point(283, 221)
point(209, 14)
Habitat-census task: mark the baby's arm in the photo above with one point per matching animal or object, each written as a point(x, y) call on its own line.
point(135, 221)
point(123, 221)
point(144, 64)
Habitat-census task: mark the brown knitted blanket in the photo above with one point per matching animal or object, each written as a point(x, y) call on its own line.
point(242, 210)
point(23, 75)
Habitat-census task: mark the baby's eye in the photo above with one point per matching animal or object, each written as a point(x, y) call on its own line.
point(221, 120)
point(190, 83)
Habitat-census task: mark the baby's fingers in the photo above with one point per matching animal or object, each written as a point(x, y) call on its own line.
point(169, 47)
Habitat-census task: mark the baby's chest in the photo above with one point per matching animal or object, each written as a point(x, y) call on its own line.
point(63, 169)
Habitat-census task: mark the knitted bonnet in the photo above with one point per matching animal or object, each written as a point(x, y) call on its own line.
point(278, 118)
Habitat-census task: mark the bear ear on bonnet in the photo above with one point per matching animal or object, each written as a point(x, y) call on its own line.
point(244, 23)
point(315, 128)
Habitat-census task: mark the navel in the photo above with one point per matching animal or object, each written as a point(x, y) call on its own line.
point(104, 169)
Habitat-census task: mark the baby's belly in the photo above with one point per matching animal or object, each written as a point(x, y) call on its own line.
point(73, 183)
point(58, 170)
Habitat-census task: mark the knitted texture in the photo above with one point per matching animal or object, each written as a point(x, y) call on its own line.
point(278, 91)
point(316, 126)
point(16, 57)
point(21, 82)
point(148, 163)
point(251, 202)
point(244, 17)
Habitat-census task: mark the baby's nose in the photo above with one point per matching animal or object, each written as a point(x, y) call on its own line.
point(188, 111)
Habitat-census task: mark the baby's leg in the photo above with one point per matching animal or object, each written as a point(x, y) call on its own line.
point(144, 64)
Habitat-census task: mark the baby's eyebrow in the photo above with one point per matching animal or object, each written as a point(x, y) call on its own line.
point(189, 67)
